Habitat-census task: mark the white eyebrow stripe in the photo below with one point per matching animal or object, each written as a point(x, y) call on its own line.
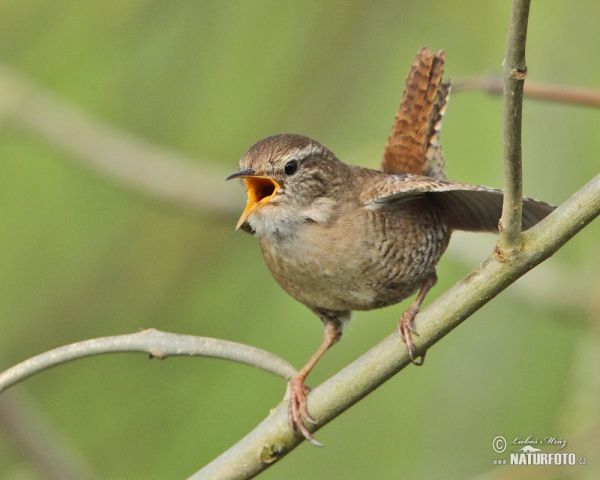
point(300, 153)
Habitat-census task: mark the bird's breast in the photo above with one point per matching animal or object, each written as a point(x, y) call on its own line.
point(365, 259)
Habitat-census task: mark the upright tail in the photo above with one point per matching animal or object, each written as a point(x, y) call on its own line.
point(414, 144)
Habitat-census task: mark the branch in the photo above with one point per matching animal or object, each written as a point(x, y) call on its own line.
point(157, 172)
point(158, 344)
point(36, 439)
point(532, 90)
point(272, 439)
point(554, 285)
point(515, 70)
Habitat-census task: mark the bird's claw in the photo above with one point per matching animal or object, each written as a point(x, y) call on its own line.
point(405, 328)
point(298, 411)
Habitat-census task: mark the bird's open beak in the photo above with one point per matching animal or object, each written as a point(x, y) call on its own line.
point(260, 188)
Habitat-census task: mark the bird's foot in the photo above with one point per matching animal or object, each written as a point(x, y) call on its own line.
point(405, 328)
point(298, 412)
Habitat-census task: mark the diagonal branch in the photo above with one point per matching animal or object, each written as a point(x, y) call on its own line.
point(39, 442)
point(160, 173)
point(272, 439)
point(515, 70)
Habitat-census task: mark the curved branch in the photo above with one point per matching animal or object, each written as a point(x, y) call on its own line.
point(155, 342)
point(272, 439)
point(515, 70)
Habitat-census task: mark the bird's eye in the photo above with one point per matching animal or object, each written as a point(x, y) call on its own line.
point(291, 167)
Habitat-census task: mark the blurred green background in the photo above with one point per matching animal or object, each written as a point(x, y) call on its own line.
point(83, 255)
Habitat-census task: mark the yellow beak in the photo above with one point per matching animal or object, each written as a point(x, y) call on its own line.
point(261, 190)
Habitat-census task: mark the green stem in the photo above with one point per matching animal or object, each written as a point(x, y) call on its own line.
point(515, 70)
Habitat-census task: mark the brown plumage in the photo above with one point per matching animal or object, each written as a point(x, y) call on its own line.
point(414, 144)
point(340, 238)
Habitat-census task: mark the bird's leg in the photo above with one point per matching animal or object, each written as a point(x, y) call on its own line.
point(298, 390)
point(406, 323)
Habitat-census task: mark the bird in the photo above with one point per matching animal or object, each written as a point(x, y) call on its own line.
point(341, 238)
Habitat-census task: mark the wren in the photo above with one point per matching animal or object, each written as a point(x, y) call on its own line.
point(340, 238)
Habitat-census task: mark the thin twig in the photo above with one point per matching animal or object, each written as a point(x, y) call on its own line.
point(532, 90)
point(515, 70)
point(158, 344)
point(272, 439)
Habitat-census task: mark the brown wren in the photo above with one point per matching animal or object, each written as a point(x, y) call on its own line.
point(340, 238)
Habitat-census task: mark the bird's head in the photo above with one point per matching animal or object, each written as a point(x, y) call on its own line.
point(284, 175)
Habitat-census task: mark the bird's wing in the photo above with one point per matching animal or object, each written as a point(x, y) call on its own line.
point(468, 207)
point(414, 144)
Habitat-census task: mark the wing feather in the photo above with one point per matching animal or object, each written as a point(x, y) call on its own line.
point(468, 207)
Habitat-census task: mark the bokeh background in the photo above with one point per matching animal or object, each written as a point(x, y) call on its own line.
point(85, 254)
